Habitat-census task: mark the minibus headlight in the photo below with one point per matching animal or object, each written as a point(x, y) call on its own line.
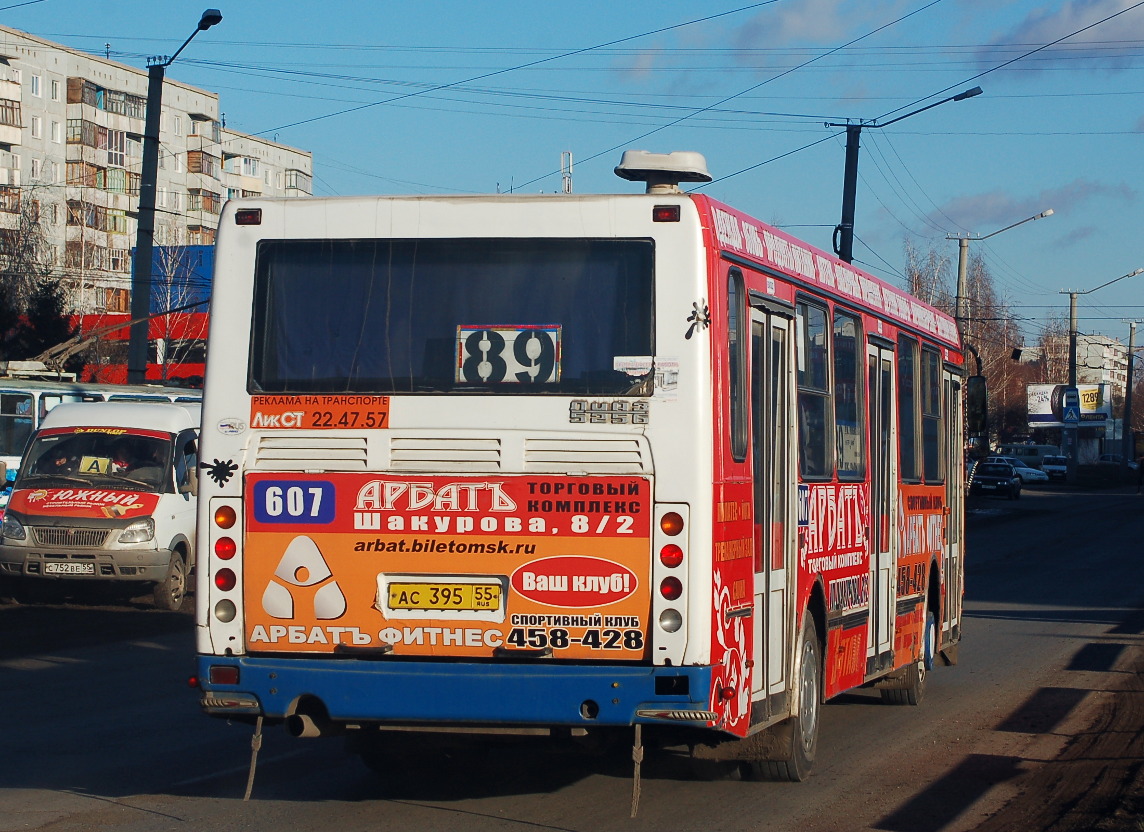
point(12, 529)
point(139, 532)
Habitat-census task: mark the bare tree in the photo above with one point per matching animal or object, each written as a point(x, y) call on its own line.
point(32, 297)
point(990, 328)
point(173, 288)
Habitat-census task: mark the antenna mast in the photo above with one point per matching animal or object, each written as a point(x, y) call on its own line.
point(566, 171)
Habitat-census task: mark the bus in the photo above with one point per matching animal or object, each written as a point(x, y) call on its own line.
point(624, 465)
point(25, 401)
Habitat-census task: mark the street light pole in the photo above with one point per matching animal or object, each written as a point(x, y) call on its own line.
point(1070, 430)
point(844, 231)
point(963, 260)
point(1128, 446)
point(145, 226)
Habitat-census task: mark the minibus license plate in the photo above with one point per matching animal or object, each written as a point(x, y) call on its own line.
point(444, 596)
point(69, 568)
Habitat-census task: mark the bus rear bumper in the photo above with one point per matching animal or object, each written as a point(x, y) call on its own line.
point(425, 693)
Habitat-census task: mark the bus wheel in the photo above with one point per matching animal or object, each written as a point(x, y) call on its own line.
point(170, 592)
point(914, 689)
point(797, 738)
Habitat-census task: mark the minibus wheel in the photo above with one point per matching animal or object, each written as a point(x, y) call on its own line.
point(172, 590)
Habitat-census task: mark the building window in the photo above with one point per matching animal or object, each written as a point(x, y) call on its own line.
point(176, 125)
point(115, 300)
point(249, 166)
point(298, 181)
point(37, 90)
point(10, 113)
point(119, 259)
point(204, 163)
point(199, 199)
point(37, 127)
point(9, 199)
point(178, 157)
point(116, 148)
point(37, 166)
point(55, 90)
point(55, 134)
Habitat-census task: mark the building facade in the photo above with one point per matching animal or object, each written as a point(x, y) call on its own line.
point(71, 148)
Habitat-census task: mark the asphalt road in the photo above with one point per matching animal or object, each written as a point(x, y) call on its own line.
point(100, 731)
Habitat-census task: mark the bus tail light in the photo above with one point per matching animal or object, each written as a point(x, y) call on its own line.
point(225, 517)
point(223, 674)
point(671, 556)
point(220, 572)
point(671, 523)
point(669, 573)
point(248, 216)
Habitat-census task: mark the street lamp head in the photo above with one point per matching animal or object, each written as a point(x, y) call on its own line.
point(961, 96)
point(210, 18)
point(1047, 212)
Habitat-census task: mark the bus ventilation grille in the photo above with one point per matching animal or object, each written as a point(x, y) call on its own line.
point(590, 456)
point(303, 453)
point(445, 453)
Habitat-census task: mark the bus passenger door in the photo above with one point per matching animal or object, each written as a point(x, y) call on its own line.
point(883, 465)
point(772, 424)
point(955, 506)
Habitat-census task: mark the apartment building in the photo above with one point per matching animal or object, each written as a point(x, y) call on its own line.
point(1099, 360)
point(71, 148)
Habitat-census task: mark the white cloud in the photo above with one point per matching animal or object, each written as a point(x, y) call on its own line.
point(1045, 25)
point(986, 212)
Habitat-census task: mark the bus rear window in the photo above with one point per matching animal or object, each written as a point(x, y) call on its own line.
point(515, 316)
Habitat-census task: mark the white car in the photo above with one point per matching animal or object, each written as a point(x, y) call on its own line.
point(1057, 467)
point(1025, 472)
point(1115, 459)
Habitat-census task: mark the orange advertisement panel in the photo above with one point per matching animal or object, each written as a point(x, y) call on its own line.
point(298, 412)
point(474, 567)
point(101, 503)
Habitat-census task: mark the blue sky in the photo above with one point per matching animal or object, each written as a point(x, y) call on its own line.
point(464, 97)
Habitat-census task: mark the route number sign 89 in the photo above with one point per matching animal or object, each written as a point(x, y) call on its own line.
point(508, 354)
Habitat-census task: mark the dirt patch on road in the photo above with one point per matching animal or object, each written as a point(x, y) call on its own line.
point(1096, 784)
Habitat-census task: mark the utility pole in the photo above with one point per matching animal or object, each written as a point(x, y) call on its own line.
point(1071, 429)
point(1127, 439)
point(844, 231)
point(145, 225)
point(1070, 432)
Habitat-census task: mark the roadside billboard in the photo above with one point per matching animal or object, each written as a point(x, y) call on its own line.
point(1046, 405)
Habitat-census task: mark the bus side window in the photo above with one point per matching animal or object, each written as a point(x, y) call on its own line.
point(814, 416)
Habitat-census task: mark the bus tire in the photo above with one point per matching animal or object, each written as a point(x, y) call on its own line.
point(797, 736)
point(914, 689)
point(170, 593)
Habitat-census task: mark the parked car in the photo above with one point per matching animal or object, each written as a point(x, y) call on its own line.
point(1057, 467)
point(1025, 472)
point(1031, 455)
point(997, 478)
point(1115, 459)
